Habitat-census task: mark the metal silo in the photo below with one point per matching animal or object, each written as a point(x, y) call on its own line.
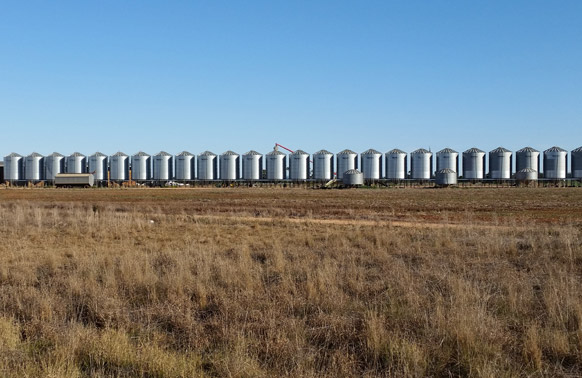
point(207, 166)
point(53, 165)
point(446, 177)
point(229, 166)
point(323, 165)
point(185, 163)
point(421, 164)
point(526, 174)
point(76, 163)
point(163, 166)
point(346, 160)
point(276, 165)
point(252, 165)
point(299, 165)
point(119, 167)
point(555, 163)
point(141, 166)
point(447, 158)
point(474, 164)
point(353, 177)
point(98, 166)
point(396, 164)
point(13, 167)
point(371, 163)
point(576, 157)
point(500, 160)
point(527, 157)
point(34, 167)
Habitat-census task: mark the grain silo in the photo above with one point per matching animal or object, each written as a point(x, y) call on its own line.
point(163, 166)
point(76, 163)
point(555, 163)
point(474, 164)
point(576, 156)
point(119, 167)
point(229, 166)
point(527, 157)
point(526, 175)
point(276, 164)
point(141, 167)
point(396, 164)
point(207, 166)
point(13, 167)
point(53, 165)
point(446, 177)
point(298, 165)
point(323, 165)
point(447, 158)
point(252, 165)
point(371, 163)
point(34, 167)
point(98, 166)
point(500, 161)
point(421, 164)
point(185, 164)
point(353, 177)
point(346, 160)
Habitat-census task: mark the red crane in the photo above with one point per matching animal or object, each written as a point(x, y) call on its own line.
point(279, 145)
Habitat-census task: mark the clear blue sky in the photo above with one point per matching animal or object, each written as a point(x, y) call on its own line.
point(218, 75)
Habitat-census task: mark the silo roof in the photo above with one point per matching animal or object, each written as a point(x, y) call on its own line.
point(229, 153)
point(555, 149)
point(322, 152)
point(275, 152)
point(474, 150)
point(347, 152)
point(499, 149)
point(352, 172)
point(253, 152)
point(371, 151)
point(527, 170)
point(207, 153)
point(579, 149)
point(446, 170)
point(56, 154)
point(141, 153)
point(420, 151)
point(185, 153)
point(14, 154)
point(76, 154)
point(447, 151)
point(299, 152)
point(119, 153)
point(526, 149)
point(35, 154)
point(99, 154)
point(396, 151)
point(162, 153)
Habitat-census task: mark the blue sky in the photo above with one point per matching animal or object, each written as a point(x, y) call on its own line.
point(218, 75)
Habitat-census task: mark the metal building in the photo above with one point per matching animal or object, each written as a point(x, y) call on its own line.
point(53, 165)
point(13, 167)
point(421, 164)
point(474, 164)
point(371, 163)
point(163, 166)
point(396, 164)
point(500, 162)
point(141, 167)
point(353, 177)
point(446, 177)
point(276, 165)
point(207, 166)
point(76, 163)
point(299, 165)
point(527, 157)
point(555, 163)
point(34, 167)
point(447, 158)
point(98, 166)
point(526, 174)
point(119, 167)
point(323, 165)
point(346, 160)
point(229, 166)
point(185, 164)
point(576, 156)
point(252, 165)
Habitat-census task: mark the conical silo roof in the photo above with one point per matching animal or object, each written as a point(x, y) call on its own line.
point(371, 151)
point(56, 154)
point(322, 152)
point(77, 154)
point(207, 153)
point(347, 152)
point(163, 153)
point(579, 149)
point(299, 152)
point(474, 150)
point(119, 153)
point(252, 152)
point(35, 154)
point(396, 151)
point(555, 149)
point(447, 151)
point(526, 149)
point(275, 152)
point(14, 154)
point(446, 170)
point(499, 150)
point(229, 153)
point(420, 151)
point(141, 153)
point(99, 154)
point(185, 153)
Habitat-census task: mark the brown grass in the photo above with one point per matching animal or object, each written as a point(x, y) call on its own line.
point(169, 283)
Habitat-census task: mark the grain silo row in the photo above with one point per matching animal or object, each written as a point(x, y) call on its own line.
point(299, 165)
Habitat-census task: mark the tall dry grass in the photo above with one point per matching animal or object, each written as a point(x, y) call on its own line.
point(132, 290)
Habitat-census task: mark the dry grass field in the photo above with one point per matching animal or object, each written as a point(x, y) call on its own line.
point(290, 282)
